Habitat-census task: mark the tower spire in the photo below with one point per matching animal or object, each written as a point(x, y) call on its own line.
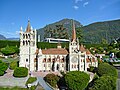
point(28, 27)
point(73, 31)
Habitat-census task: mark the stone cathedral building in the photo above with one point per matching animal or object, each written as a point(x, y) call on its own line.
point(53, 59)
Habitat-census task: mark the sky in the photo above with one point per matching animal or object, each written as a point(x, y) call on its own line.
point(15, 13)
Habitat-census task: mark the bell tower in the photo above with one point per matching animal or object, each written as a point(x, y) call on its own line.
point(27, 48)
point(73, 51)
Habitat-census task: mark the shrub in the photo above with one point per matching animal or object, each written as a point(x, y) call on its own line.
point(3, 68)
point(76, 80)
point(106, 69)
point(105, 83)
point(13, 65)
point(118, 55)
point(31, 80)
point(52, 79)
point(20, 72)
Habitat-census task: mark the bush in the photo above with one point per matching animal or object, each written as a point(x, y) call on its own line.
point(106, 69)
point(76, 80)
point(52, 79)
point(31, 80)
point(118, 55)
point(20, 72)
point(3, 68)
point(13, 65)
point(105, 83)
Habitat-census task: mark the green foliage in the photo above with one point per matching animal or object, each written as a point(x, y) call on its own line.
point(108, 30)
point(13, 65)
point(106, 69)
point(118, 55)
point(9, 50)
point(47, 45)
point(76, 80)
point(52, 79)
point(3, 68)
point(20, 72)
point(31, 80)
point(105, 83)
point(9, 43)
point(51, 28)
point(79, 34)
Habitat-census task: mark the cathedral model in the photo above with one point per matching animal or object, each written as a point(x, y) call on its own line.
point(54, 59)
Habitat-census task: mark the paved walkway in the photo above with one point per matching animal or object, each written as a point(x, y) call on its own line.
point(9, 80)
point(91, 75)
point(43, 83)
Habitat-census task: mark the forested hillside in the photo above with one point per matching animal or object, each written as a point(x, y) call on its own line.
point(100, 31)
point(60, 29)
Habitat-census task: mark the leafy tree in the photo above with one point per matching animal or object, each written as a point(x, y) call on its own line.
point(118, 55)
point(8, 50)
point(104, 41)
point(76, 80)
point(20, 72)
point(106, 69)
point(52, 79)
point(104, 83)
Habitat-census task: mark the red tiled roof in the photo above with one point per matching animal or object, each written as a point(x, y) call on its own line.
point(55, 51)
point(82, 48)
point(88, 52)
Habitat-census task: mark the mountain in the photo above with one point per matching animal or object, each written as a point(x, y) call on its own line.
point(2, 37)
point(13, 39)
point(67, 23)
point(92, 33)
point(96, 32)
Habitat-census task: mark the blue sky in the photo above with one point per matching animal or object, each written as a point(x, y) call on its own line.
point(15, 13)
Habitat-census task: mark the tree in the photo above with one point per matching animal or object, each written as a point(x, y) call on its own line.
point(79, 34)
point(8, 50)
point(106, 69)
point(76, 80)
point(104, 83)
point(52, 79)
point(118, 55)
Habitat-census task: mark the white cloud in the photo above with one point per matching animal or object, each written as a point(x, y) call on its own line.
point(75, 7)
point(76, 1)
point(85, 4)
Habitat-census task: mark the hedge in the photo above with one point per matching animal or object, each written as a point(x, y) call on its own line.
point(20, 72)
point(106, 69)
point(76, 80)
point(3, 68)
point(52, 79)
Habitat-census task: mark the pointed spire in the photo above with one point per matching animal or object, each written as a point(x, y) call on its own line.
point(28, 27)
point(73, 32)
point(21, 28)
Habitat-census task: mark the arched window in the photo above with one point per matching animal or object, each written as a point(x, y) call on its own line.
point(23, 42)
point(29, 36)
point(26, 36)
point(23, 36)
point(26, 43)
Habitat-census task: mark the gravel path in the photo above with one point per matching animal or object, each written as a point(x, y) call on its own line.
point(9, 80)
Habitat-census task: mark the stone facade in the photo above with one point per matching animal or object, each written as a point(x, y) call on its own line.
point(53, 59)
